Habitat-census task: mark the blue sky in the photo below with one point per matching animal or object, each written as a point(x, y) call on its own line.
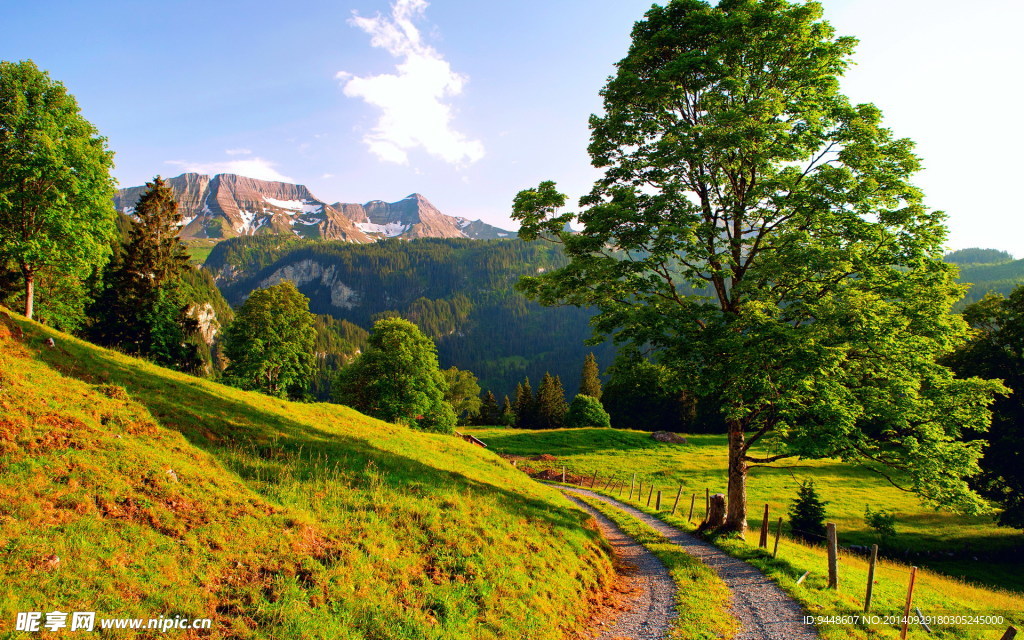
point(319, 92)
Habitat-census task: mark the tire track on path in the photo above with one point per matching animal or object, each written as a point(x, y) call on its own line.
point(652, 608)
point(764, 610)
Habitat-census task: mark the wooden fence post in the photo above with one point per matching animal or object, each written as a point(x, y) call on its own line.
point(563, 474)
point(762, 543)
point(707, 501)
point(649, 494)
point(833, 556)
point(609, 482)
point(593, 480)
point(631, 483)
point(778, 532)
point(676, 503)
point(622, 485)
point(693, 498)
point(801, 578)
point(910, 599)
point(640, 490)
point(1011, 633)
point(871, 577)
point(657, 504)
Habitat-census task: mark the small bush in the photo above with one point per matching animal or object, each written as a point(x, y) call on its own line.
point(807, 515)
point(882, 521)
point(586, 411)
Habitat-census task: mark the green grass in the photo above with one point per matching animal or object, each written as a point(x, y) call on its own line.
point(702, 598)
point(135, 491)
point(199, 249)
point(700, 463)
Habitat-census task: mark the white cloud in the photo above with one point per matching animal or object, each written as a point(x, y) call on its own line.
point(414, 111)
point(252, 167)
point(238, 152)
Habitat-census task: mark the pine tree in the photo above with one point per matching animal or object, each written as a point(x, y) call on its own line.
point(143, 309)
point(490, 412)
point(551, 404)
point(590, 382)
point(525, 406)
point(508, 414)
point(807, 514)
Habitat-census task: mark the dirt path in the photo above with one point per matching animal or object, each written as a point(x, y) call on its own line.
point(650, 605)
point(764, 610)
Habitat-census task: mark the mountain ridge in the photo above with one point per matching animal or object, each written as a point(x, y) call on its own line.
point(228, 205)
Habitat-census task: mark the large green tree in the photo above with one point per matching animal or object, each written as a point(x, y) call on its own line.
point(270, 342)
point(397, 379)
point(55, 183)
point(142, 308)
point(760, 234)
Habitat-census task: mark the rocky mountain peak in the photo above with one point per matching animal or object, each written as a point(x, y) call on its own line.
point(228, 205)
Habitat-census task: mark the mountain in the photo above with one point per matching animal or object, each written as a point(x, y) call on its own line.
point(228, 205)
point(460, 292)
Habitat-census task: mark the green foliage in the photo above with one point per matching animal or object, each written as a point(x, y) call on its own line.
point(975, 255)
point(771, 250)
point(397, 379)
point(807, 513)
point(55, 186)
point(586, 411)
point(508, 413)
point(643, 395)
point(460, 293)
point(144, 306)
point(338, 342)
point(590, 378)
point(882, 521)
point(270, 343)
point(997, 351)
point(551, 404)
point(490, 412)
point(463, 394)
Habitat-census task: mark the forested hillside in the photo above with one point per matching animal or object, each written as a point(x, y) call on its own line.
point(460, 292)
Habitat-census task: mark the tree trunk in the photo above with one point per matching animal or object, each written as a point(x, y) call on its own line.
point(30, 291)
point(736, 516)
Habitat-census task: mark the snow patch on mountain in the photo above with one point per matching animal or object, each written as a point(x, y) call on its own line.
point(295, 205)
point(390, 229)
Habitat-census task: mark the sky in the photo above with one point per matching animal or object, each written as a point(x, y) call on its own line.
point(468, 102)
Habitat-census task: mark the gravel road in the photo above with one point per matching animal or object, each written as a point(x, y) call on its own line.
point(764, 610)
point(652, 605)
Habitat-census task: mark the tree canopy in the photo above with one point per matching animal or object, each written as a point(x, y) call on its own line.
point(270, 342)
point(397, 379)
point(761, 236)
point(56, 211)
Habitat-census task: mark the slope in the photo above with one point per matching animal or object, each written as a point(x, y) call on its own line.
point(134, 491)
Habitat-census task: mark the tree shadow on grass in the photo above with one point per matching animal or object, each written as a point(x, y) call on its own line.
point(209, 417)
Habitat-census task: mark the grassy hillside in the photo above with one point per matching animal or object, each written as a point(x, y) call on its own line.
point(135, 491)
point(701, 462)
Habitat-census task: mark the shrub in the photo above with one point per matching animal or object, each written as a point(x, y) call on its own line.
point(586, 411)
point(882, 521)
